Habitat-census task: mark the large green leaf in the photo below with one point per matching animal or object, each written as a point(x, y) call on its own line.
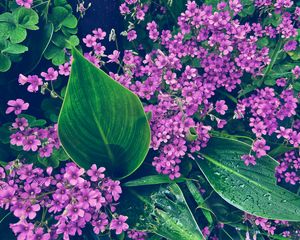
point(161, 210)
point(102, 122)
point(252, 189)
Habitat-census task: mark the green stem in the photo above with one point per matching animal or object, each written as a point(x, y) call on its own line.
point(274, 57)
point(230, 97)
point(5, 217)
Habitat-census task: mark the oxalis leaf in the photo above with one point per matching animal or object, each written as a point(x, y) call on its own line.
point(252, 189)
point(161, 210)
point(102, 122)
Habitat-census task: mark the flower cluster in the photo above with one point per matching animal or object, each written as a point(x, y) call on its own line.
point(43, 140)
point(36, 83)
point(212, 50)
point(51, 204)
point(289, 168)
point(271, 226)
point(267, 110)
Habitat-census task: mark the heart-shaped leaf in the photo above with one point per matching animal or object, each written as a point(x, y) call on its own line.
point(161, 210)
point(102, 122)
point(252, 189)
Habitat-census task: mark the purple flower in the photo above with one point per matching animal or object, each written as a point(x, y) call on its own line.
point(90, 40)
point(64, 69)
point(296, 72)
point(100, 224)
point(96, 174)
point(17, 139)
point(74, 211)
point(290, 46)
point(131, 35)
point(31, 143)
point(50, 75)
point(20, 123)
point(248, 159)
point(23, 229)
point(16, 106)
point(260, 147)
point(119, 224)
point(46, 151)
point(99, 33)
point(40, 235)
point(73, 174)
point(221, 107)
point(24, 3)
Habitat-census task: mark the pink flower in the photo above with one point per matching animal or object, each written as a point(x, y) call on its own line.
point(16, 106)
point(90, 40)
point(248, 159)
point(131, 35)
point(114, 57)
point(51, 74)
point(35, 82)
point(24, 3)
point(96, 174)
point(260, 147)
point(73, 174)
point(20, 123)
point(17, 139)
point(99, 33)
point(31, 143)
point(64, 69)
point(119, 224)
point(221, 107)
point(296, 72)
point(22, 79)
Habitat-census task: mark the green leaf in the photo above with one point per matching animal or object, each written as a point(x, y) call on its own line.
point(15, 49)
point(57, 16)
point(18, 35)
point(38, 123)
point(5, 63)
point(7, 24)
point(70, 21)
point(281, 149)
point(26, 17)
point(110, 125)
point(296, 86)
point(199, 200)
point(160, 210)
point(152, 180)
point(252, 189)
point(36, 48)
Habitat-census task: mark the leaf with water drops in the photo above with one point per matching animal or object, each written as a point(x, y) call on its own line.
point(252, 189)
point(162, 210)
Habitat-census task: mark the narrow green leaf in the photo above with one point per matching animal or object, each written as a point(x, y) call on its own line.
point(252, 189)
point(152, 180)
point(199, 200)
point(102, 122)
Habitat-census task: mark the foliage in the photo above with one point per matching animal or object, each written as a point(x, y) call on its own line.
point(195, 113)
